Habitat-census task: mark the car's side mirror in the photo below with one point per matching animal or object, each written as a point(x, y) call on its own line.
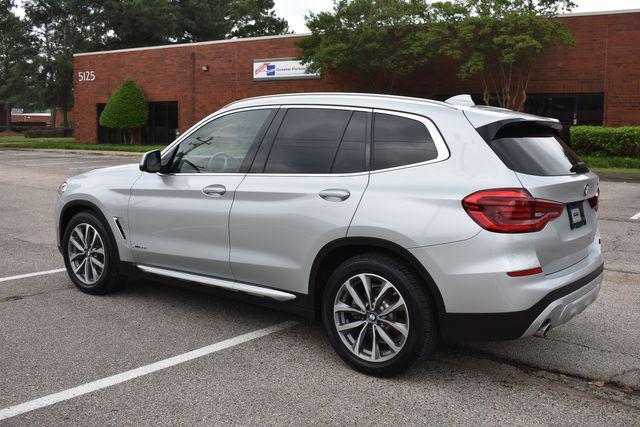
point(151, 162)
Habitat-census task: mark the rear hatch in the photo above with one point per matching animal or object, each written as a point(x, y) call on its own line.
point(548, 168)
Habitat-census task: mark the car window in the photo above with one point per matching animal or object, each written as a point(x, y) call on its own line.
point(399, 141)
point(307, 141)
point(350, 157)
point(221, 145)
point(534, 151)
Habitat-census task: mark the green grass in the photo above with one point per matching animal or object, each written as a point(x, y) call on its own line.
point(69, 144)
point(21, 140)
point(625, 171)
point(611, 162)
point(614, 165)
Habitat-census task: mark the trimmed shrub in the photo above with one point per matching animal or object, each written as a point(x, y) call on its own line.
point(127, 109)
point(18, 129)
point(622, 141)
point(49, 133)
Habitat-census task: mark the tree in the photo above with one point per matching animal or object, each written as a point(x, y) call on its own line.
point(16, 67)
point(380, 40)
point(127, 109)
point(136, 23)
point(201, 20)
point(64, 27)
point(61, 28)
point(500, 40)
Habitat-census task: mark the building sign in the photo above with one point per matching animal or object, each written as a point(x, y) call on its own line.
point(281, 69)
point(86, 76)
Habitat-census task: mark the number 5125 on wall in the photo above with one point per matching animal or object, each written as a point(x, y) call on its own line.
point(86, 76)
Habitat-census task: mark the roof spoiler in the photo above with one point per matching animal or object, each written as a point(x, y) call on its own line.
point(490, 130)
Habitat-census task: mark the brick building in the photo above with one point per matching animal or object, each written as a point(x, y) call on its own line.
point(596, 81)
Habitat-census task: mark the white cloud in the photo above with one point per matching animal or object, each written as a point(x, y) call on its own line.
point(294, 11)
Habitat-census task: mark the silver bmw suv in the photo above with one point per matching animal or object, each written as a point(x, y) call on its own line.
point(397, 221)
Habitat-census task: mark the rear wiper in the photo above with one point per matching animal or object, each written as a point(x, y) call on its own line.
point(579, 167)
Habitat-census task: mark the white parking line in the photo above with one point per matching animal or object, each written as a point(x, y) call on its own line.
point(38, 273)
point(92, 386)
point(636, 216)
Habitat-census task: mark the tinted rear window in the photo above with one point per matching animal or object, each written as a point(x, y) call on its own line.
point(534, 151)
point(399, 141)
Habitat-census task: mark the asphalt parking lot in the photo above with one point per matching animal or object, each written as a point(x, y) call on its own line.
point(68, 357)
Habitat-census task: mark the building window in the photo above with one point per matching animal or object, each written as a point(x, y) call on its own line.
point(570, 108)
point(159, 130)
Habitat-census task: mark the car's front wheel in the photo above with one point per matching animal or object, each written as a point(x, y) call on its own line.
point(378, 315)
point(90, 255)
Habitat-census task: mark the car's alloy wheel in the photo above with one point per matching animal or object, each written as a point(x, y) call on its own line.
point(371, 317)
point(86, 253)
point(378, 314)
point(91, 254)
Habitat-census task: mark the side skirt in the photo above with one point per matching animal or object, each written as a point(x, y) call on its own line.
point(220, 283)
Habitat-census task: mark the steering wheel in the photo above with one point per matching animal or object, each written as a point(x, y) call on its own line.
point(228, 162)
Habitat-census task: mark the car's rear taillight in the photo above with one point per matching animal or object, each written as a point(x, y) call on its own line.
point(510, 210)
point(593, 202)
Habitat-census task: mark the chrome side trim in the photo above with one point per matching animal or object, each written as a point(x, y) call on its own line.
point(119, 226)
point(219, 283)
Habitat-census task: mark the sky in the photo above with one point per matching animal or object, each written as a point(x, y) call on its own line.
point(294, 11)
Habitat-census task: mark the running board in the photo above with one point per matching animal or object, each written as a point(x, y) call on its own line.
point(219, 283)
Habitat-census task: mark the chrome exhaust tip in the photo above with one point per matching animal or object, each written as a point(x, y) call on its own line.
point(544, 329)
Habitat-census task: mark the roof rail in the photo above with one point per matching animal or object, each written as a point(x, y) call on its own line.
point(462, 100)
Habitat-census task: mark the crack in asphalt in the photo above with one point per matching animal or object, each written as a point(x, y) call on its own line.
point(635, 356)
point(615, 270)
point(632, 221)
point(530, 369)
point(11, 298)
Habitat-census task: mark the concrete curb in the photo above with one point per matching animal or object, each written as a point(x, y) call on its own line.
point(87, 152)
point(619, 177)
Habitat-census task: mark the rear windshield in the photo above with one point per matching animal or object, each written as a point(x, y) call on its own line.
point(534, 151)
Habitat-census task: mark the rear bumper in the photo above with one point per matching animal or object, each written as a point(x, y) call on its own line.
point(558, 306)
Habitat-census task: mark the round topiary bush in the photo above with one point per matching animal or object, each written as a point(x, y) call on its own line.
point(126, 110)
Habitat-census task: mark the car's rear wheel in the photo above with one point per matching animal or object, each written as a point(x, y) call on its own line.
point(90, 255)
point(378, 315)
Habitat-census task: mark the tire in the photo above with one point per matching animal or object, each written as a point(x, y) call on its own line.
point(414, 310)
point(77, 255)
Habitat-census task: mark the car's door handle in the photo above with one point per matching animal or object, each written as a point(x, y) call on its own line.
point(335, 194)
point(215, 190)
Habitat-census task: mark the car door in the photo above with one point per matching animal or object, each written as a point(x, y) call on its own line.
point(301, 193)
point(179, 219)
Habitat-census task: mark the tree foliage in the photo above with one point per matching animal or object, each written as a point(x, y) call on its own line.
point(385, 40)
point(16, 65)
point(500, 40)
point(380, 40)
point(61, 28)
point(201, 20)
point(127, 109)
